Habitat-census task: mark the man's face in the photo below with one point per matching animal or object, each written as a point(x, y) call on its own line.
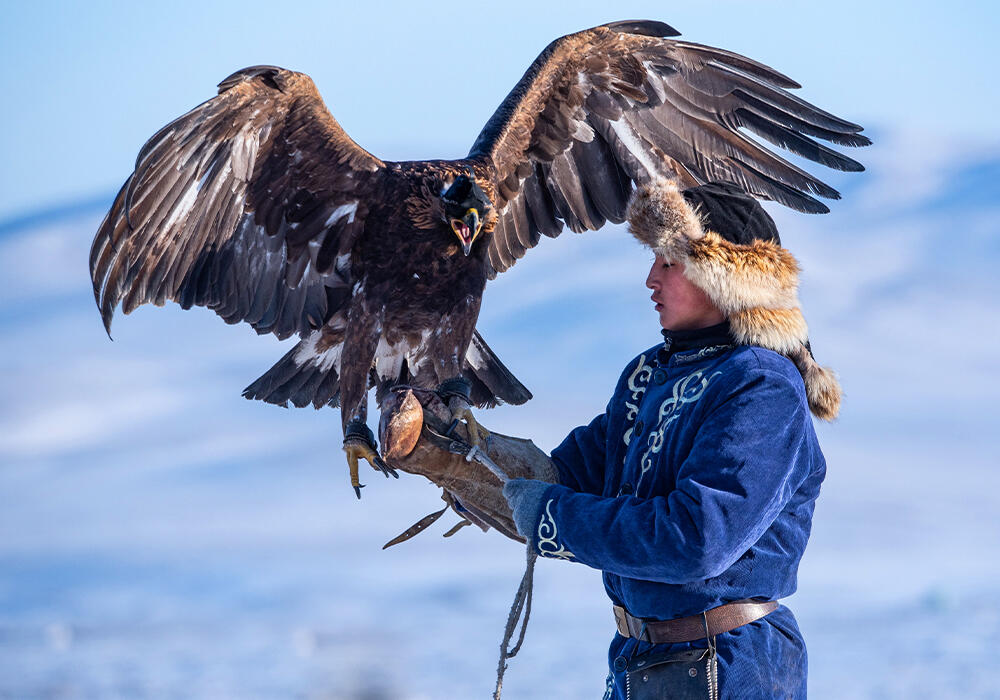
point(681, 305)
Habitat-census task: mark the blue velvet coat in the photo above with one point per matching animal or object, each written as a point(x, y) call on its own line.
point(694, 488)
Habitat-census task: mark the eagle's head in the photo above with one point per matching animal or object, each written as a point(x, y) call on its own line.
point(466, 207)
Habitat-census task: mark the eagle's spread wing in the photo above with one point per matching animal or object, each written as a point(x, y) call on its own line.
point(619, 103)
point(248, 204)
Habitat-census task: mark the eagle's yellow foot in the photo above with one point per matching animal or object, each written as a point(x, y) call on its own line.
point(477, 433)
point(359, 443)
point(457, 394)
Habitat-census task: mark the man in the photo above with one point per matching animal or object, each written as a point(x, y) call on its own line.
point(694, 491)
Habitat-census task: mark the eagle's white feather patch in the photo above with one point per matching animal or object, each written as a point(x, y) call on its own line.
point(655, 81)
point(583, 132)
point(389, 358)
point(245, 145)
point(474, 357)
point(308, 354)
point(631, 142)
point(340, 212)
point(417, 357)
point(183, 207)
point(221, 180)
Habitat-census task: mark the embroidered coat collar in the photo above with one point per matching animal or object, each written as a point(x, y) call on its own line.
point(683, 343)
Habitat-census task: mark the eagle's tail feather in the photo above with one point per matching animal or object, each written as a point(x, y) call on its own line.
point(492, 382)
point(304, 377)
point(301, 384)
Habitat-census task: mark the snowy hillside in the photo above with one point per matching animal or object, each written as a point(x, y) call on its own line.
point(161, 537)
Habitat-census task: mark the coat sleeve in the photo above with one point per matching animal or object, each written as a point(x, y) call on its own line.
point(752, 451)
point(580, 458)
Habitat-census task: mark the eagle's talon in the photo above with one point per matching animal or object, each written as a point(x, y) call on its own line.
point(357, 450)
point(384, 467)
point(457, 393)
point(477, 433)
point(381, 465)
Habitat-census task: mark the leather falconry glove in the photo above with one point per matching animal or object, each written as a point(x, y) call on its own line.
point(419, 435)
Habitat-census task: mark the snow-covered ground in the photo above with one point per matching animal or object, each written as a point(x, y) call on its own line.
point(162, 537)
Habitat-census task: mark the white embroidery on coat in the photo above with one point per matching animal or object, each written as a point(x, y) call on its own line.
point(685, 390)
point(701, 354)
point(610, 687)
point(637, 383)
point(547, 545)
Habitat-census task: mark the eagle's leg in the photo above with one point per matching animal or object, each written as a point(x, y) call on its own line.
point(451, 341)
point(477, 433)
point(457, 394)
point(360, 341)
point(359, 443)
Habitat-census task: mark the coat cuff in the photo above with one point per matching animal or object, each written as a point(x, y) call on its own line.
point(524, 496)
point(546, 536)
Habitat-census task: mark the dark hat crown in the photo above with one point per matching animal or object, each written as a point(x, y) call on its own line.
point(736, 216)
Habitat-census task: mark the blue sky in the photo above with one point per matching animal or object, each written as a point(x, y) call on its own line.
point(87, 83)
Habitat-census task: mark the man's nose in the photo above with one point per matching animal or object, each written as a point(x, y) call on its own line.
point(650, 281)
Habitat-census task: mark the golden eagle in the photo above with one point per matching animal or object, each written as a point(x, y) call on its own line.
point(257, 205)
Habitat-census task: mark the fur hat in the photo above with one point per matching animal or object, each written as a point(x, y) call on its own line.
point(742, 268)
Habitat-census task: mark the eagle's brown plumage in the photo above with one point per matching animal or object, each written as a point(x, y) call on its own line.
point(256, 204)
point(617, 104)
point(242, 205)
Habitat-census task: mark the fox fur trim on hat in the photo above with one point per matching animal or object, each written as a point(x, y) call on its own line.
point(755, 285)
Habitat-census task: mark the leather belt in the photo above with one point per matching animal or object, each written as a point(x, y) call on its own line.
point(718, 620)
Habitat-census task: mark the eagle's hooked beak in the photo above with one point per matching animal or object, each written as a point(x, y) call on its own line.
point(467, 228)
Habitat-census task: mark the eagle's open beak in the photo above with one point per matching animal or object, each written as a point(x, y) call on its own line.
point(467, 228)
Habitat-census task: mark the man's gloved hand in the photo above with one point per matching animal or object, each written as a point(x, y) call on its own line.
point(525, 499)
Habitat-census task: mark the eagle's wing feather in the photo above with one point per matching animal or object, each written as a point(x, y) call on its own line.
point(617, 104)
point(248, 204)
